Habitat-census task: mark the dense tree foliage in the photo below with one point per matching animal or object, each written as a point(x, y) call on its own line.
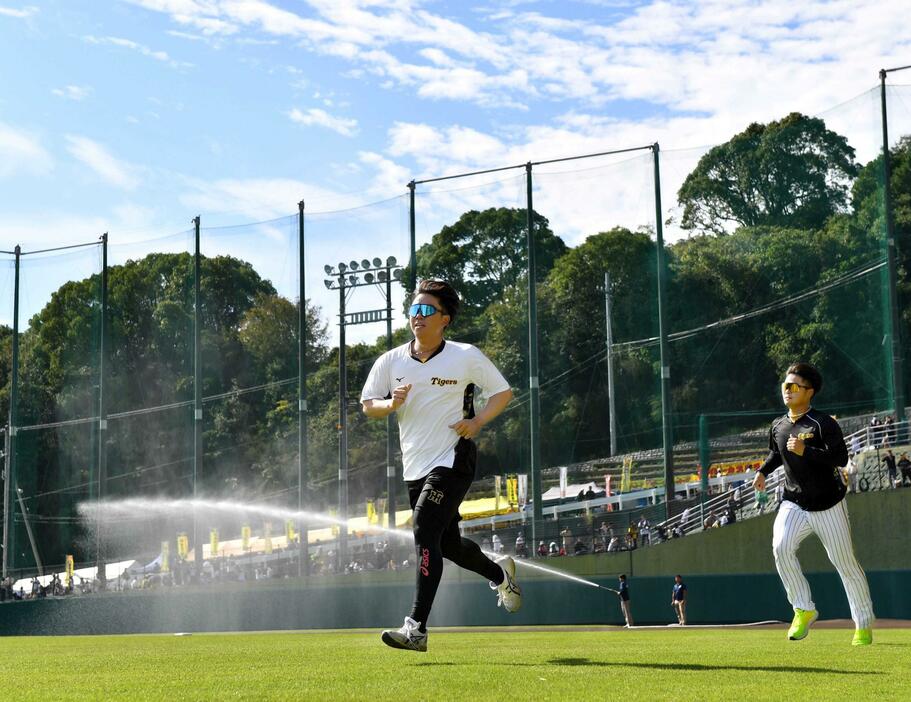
point(791, 173)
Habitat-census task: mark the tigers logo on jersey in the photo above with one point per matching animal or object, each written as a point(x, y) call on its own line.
point(806, 435)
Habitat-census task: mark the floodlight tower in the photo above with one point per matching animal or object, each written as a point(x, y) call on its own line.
point(345, 278)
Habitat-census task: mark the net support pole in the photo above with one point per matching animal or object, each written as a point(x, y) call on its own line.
point(9, 522)
point(102, 410)
point(342, 432)
point(391, 477)
point(412, 227)
point(533, 384)
point(303, 542)
point(666, 418)
point(197, 395)
point(705, 460)
point(894, 325)
point(609, 335)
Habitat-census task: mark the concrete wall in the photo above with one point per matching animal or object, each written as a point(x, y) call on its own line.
point(729, 572)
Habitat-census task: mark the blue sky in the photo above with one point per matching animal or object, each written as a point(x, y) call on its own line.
point(132, 116)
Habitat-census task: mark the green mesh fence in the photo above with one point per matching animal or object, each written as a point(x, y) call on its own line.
point(775, 248)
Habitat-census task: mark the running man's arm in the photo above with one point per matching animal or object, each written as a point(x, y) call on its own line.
point(835, 452)
point(377, 409)
point(469, 428)
point(772, 461)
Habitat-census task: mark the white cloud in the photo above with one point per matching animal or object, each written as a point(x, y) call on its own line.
point(139, 48)
point(109, 168)
point(19, 13)
point(315, 117)
point(22, 152)
point(73, 92)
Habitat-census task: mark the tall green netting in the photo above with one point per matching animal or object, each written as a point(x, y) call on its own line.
point(55, 457)
point(148, 389)
point(898, 112)
point(249, 373)
point(352, 257)
point(778, 257)
point(603, 208)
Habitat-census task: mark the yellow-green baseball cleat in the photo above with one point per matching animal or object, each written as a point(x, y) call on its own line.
point(800, 627)
point(862, 637)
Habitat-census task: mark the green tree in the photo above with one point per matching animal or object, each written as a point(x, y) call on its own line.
point(791, 173)
point(484, 253)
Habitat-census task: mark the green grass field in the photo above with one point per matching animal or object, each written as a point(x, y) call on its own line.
point(506, 664)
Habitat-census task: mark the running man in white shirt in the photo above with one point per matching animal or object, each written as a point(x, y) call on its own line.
point(430, 384)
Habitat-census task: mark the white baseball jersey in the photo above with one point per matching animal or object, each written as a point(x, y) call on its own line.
point(442, 390)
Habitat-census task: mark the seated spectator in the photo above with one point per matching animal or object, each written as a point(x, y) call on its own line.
point(904, 465)
point(579, 547)
point(590, 494)
point(553, 549)
point(542, 550)
point(710, 521)
point(615, 545)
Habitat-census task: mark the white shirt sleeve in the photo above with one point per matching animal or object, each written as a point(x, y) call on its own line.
point(487, 376)
point(378, 385)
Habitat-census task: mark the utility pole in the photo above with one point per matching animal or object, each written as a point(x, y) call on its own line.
point(611, 400)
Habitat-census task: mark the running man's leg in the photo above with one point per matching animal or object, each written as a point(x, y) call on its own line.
point(791, 528)
point(834, 530)
point(436, 502)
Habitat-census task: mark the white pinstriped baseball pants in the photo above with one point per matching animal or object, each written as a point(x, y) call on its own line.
point(792, 526)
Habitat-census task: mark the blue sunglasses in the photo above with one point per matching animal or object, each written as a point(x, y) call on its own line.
point(422, 309)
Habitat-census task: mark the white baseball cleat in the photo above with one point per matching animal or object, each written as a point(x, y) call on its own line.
point(409, 637)
point(509, 594)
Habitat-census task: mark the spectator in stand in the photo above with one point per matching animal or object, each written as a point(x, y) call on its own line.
point(889, 462)
point(710, 521)
point(579, 547)
point(645, 531)
point(605, 532)
point(851, 473)
point(855, 444)
point(762, 501)
point(632, 537)
point(590, 493)
point(542, 550)
point(889, 431)
point(498, 544)
point(567, 536)
point(521, 548)
point(614, 545)
point(878, 432)
point(904, 465)
point(685, 519)
point(554, 550)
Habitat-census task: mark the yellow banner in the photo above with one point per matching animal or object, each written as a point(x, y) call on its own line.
point(267, 536)
point(165, 556)
point(512, 490)
point(245, 537)
point(289, 531)
point(371, 512)
point(213, 543)
point(183, 546)
point(70, 569)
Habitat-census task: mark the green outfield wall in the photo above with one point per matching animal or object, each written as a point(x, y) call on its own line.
point(729, 571)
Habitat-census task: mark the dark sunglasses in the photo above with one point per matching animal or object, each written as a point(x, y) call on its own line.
point(422, 309)
point(792, 387)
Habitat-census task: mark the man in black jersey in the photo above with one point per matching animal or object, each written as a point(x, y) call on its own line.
point(810, 446)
